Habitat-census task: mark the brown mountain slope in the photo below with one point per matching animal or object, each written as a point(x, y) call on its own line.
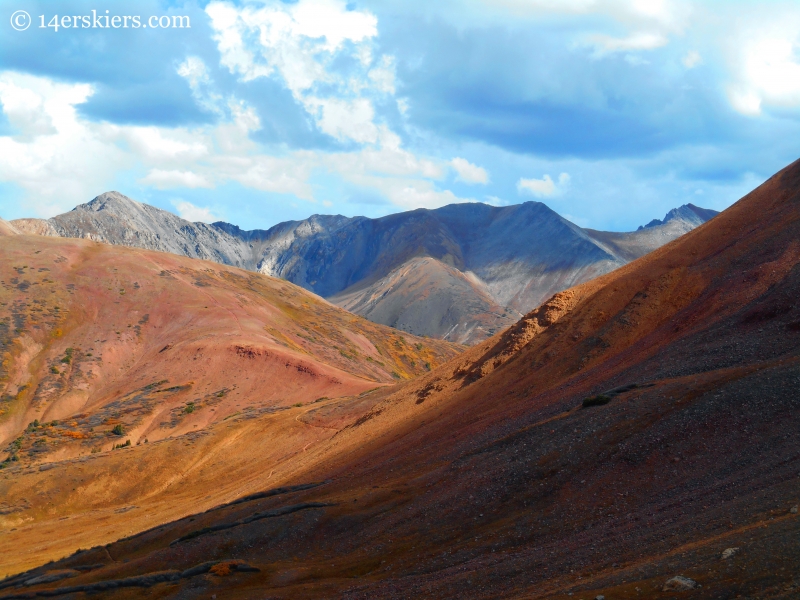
point(103, 345)
point(426, 296)
point(7, 228)
point(487, 478)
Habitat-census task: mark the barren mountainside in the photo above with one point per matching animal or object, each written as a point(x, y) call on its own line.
point(633, 437)
point(509, 259)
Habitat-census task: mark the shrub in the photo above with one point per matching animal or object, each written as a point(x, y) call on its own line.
point(189, 408)
point(67, 355)
point(599, 400)
point(118, 430)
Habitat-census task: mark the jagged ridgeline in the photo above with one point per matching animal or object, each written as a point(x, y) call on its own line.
point(462, 272)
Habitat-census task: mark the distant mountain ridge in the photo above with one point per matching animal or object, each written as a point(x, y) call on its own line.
point(688, 213)
point(485, 265)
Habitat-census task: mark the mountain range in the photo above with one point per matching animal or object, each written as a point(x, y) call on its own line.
point(461, 273)
point(634, 436)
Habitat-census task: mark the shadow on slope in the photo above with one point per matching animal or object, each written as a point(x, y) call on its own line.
point(489, 478)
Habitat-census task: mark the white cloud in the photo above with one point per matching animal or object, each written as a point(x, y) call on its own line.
point(64, 158)
point(74, 159)
point(469, 173)
point(160, 145)
point(769, 73)
point(171, 179)
point(745, 101)
point(692, 59)
point(605, 44)
point(298, 43)
point(495, 201)
point(194, 70)
point(345, 119)
point(57, 158)
point(190, 212)
point(545, 187)
point(410, 194)
point(383, 76)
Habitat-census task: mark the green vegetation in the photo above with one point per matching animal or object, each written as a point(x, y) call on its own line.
point(55, 370)
point(118, 429)
point(125, 445)
point(189, 408)
point(297, 404)
point(68, 356)
point(599, 400)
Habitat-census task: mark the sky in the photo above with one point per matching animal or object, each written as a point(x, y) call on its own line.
point(611, 112)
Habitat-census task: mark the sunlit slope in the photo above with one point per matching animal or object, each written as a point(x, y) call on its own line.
point(96, 337)
point(490, 478)
point(7, 228)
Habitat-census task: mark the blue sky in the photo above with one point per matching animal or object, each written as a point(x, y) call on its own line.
point(609, 111)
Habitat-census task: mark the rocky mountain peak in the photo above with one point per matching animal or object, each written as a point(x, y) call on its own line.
point(110, 200)
point(688, 213)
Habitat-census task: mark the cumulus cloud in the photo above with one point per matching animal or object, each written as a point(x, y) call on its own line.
point(345, 119)
point(303, 45)
point(70, 159)
point(55, 156)
point(544, 187)
point(63, 159)
point(469, 173)
point(299, 44)
point(768, 74)
point(190, 212)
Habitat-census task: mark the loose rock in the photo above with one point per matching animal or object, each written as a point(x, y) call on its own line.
point(680, 584)
point(729, 552)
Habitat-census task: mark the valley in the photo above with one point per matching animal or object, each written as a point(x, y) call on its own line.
point(634, 429)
